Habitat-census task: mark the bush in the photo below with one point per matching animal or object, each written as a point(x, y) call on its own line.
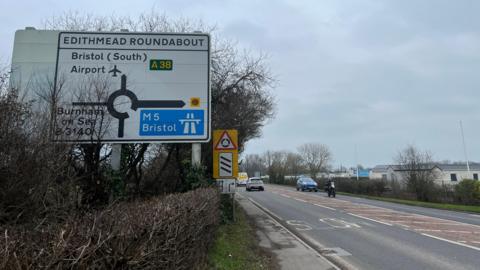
point(367, 187)
point(34, 174)
point(194, 177)
point(468, 191)
point(173, 232)
point(226, 208)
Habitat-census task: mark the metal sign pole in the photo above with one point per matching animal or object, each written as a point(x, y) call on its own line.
point(225, 162)
point(233, 203)
point(116, 156)
point(196, 154)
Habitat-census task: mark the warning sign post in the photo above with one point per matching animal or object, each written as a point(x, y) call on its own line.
point(225, 154)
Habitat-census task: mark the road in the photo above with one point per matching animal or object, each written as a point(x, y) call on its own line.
point(368, 234)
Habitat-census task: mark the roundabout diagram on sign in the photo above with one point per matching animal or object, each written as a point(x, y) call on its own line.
point(135, 104)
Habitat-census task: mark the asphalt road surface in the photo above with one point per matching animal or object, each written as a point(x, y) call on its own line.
point(366, 234)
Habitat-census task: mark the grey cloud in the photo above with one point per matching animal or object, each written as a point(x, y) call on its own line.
point(373, 73)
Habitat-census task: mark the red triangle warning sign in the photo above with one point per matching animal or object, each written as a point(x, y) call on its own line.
point(225, 142)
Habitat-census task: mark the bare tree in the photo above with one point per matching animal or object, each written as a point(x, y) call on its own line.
point(276, 165)
point(67, 123)
point(240, 95)
point(4, 80)
point(240, 82)
point(416, 168)
point(294, 164)
point(317, 157)
point(34, 175)
point(253, 163)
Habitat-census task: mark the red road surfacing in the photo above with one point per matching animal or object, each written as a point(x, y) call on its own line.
point(460, 233)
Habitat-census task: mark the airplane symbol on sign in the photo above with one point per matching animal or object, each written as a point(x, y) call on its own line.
point(115, 70)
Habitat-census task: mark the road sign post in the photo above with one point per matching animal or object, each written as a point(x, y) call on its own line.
point(225, 161)
point(115, 161)
point(225, 154)
point(196, 154)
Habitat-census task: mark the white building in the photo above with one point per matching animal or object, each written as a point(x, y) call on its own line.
point(384, 172)
point(453, 173)
point(444, 173)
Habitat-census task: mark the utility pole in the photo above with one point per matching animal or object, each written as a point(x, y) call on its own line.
point(356, 161)
point(464, 147)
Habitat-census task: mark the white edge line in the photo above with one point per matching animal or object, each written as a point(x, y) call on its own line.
point(292, 234)
point(374, 220)
point(333, 209)
point(450, 241)
point(300, 200)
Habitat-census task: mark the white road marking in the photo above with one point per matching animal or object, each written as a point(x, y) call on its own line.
point(337, 252)
point(446, 231)
point(296, 237)
point(285, 195)
point(440, 221)
point(452, 242)
point(338, 223)
point(300, 200)
point(324, 206)
point(299, 225)
point(374, 220)
point(385, 212)
point(431, 223)
point(392, 215)
point(370, 210)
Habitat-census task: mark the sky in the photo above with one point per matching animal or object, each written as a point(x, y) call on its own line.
point(370, 75)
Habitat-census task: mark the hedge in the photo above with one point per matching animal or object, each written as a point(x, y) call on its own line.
point(173, 232)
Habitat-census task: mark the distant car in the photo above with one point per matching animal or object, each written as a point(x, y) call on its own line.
point(254, 183)
point(306, 183)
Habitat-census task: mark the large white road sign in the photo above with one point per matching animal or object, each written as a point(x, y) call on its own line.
point(132, 87)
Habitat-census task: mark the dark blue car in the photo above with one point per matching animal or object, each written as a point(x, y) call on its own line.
point(306, 183)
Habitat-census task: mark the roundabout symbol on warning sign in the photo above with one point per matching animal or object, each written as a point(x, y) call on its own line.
point(225, 154)
point(225, 142)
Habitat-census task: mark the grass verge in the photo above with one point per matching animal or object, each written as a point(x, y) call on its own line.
point(444, 206)
point(236, 247)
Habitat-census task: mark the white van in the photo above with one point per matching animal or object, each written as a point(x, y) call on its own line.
point(242, 179)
